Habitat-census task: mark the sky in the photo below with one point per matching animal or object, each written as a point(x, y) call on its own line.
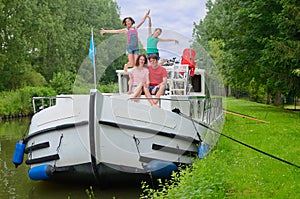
point(175, 17)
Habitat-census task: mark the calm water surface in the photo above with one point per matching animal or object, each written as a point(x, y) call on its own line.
point(15, 182)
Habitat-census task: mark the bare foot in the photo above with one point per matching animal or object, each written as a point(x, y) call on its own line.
point(155, 105)
point(125, 68)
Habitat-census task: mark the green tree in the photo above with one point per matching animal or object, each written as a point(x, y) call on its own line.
point(260, 40)
point(49, 36)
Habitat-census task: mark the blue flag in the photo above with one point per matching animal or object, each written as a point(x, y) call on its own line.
point(92, 50)
point(92, 53)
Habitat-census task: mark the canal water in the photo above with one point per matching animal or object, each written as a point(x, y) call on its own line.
point(15, 183)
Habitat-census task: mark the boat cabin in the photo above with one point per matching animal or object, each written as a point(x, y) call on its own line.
point(179, 81)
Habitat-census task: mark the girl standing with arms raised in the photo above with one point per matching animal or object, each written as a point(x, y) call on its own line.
point(132, 47)
point(153, 39)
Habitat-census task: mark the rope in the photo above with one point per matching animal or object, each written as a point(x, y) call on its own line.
point(24, 134)
point(244, 144)
point(58, 147)
point(137, 142)
point(176, 110)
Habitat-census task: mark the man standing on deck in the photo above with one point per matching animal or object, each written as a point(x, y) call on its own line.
point(158, 79)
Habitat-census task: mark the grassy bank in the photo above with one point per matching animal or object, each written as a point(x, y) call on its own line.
point(235, 171)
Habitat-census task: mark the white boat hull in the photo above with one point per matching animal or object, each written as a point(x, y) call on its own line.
point(88, 137)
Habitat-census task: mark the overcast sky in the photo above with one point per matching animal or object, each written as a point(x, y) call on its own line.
point(175, 17)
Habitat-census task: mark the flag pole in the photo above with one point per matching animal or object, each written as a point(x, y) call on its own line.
point(94, 60)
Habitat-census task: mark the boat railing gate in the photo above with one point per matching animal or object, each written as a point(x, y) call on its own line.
point(201, 109)
point(39, 103)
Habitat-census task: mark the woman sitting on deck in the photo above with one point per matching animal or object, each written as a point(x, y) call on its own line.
point(139, 77)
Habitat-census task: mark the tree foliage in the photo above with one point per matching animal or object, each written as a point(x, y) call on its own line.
point(47, 37)
point(256, 43)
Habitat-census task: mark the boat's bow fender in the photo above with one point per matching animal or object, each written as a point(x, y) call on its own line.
point(161, 169)
point(42, 172)
point(203, 150)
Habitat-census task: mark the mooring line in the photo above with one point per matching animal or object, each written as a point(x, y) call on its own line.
point(242, 143)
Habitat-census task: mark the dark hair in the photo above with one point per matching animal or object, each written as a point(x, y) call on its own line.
point(158, 29)
point(153, 56)
point(124, 20)
point(138, 59)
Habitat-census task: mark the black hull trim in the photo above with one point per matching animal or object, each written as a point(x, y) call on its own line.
point(37, 147)
point(55, 128)
point(173, 150)
point(146, 159)
point(42, 159)
point(108, 174)
point(151, 131)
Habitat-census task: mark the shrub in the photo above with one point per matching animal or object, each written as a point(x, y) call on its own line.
point(18, 102)
point(62, 82)
point(109, 88)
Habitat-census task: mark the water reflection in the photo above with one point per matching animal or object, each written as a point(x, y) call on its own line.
point(51, 190)
point(16, 184)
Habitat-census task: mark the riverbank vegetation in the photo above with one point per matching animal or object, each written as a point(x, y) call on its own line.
point(44, 43)
point(17, 103)
point(232, 170)
point(255, 45)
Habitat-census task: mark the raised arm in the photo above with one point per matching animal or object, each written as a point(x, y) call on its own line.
point(123, 30)
point(149, 26)
point(166, 40)
point(143, 20)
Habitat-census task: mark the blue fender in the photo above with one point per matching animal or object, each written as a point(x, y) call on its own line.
point(203, 150)
point(161, 169)
point(19, 153)
point(42, 172)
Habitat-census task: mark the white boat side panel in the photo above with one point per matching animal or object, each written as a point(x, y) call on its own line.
point(119, 148)
point(135, 113)
point(70, 109)
point(75, 147)
point(127, 147)
point(72, 146)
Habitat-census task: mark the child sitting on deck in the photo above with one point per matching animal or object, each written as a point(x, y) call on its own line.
point(139, 77)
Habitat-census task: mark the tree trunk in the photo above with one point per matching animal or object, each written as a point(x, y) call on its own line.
point(228, 91)
point(268, 97)
point(277, 98)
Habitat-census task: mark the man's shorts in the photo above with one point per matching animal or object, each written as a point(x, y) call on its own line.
point(151, 88)
point(157, 89)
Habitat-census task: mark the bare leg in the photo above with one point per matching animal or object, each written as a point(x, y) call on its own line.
point(160, 91)
point(135, 56)
point(130, 62)
point(137, 91)
point(129, 86)
point(148, 95)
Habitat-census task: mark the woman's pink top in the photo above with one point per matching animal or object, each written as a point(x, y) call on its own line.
point(139, 75)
